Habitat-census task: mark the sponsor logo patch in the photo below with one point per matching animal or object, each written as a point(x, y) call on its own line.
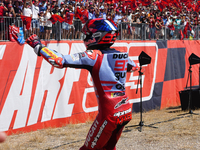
point(122, 102)
point(75, 57)
point(116, 94)
point(120, 113)
point(99, 134)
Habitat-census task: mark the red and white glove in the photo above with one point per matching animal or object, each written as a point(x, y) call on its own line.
point(33, 40)
point(15, 34)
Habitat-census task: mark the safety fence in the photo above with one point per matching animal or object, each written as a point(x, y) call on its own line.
point(127, 31)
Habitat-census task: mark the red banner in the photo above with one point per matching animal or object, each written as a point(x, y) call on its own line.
point(54, 18)
point(82, 15)
point(26, 21)
point(69, 18)
point(145, 2)
point(35, 95)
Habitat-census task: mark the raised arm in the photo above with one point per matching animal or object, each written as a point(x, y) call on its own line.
point(24, 5)
point(31, 3)
point(78, 60)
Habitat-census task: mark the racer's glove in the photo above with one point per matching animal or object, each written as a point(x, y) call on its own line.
point(15, 32)
point(33, 40)
point(35, 43)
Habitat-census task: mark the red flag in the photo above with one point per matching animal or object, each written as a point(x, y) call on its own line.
point(171, 27)
point(84, 16)
point(160, 6)
point(59, 18)
point(197, 7)
point(127, 2)
point(129, 29)
point(194, 6)
point(134, 4)
point(182, 36)
point(184, 1)
point(176, 3)
point(165, 2)
point(54, 18)
point(188, 4)
point(109, 1)
point(69, 18)
point(78, 13)
point(26, 21)
point(145, 2)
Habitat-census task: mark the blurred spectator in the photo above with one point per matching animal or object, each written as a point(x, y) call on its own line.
point(91, 13)
point(118, 17)
point(17, 9)
point(6, 2)
point(158, 25)
point(102, 13)
point(124, 22)
point(20, 4)
point(55, 26)
point(152, 27)
point(147, 30)
point(62, 7)
point(28, 13)
point(42, 23)
point(65, 29)
point(3, 9)
point(172, 30)
point(48, 24)
point(129, 14)
point(10, 12)
point(132, 23)
point(138, 26)
point(142, 26)
point(43, 6)
point(56, 10)
point(35, 17)
point(53, 4)
point(77, 22)
point(64, 24)
point(178, 26)
point(132, 26)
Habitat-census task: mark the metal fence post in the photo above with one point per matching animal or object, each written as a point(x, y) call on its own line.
point(165, 35)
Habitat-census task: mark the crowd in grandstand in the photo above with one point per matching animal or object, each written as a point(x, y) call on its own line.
point(135, 18)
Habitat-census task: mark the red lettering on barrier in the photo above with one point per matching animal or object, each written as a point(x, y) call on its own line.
point(11, 67)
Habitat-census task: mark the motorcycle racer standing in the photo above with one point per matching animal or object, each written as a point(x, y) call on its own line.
point(108, 68)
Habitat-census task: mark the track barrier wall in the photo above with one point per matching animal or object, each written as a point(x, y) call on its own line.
point(35, 95)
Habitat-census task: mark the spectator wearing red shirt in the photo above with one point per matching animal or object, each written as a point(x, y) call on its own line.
point(2, 11)
point(158, 25)
point(28, 13)
point(152, 27)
